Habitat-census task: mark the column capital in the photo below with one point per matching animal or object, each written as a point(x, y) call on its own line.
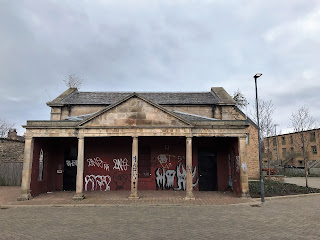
point(243, 136)
point(28, 137)
point(81, 137)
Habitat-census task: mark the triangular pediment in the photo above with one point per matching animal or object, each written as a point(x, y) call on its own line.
point(135, 111)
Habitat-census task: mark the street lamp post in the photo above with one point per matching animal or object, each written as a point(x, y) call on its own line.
point(275, 136)
point(259, 140)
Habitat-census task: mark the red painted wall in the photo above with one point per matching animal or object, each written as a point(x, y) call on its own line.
point(53, 151)
point(167, 162)
point(107, 163)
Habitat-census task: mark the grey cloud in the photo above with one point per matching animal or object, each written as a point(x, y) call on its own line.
point(153, 46)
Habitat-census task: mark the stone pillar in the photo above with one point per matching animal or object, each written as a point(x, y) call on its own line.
point(189, 188)
point(134, 169)
point(80, 165)
point(243, 167)
point(27, 169)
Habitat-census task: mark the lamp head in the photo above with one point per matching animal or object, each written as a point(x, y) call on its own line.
point(257, 75)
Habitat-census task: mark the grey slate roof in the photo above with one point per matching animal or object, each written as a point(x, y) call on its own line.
point(193, 117)
point(104, 98)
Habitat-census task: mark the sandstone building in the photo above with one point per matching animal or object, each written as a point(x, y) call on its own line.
point(285, 149)
point(101, 141)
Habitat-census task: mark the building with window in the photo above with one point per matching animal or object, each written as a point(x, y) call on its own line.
point(287, 149)
point(108, 141)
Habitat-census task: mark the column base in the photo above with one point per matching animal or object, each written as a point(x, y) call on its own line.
point(245, 195)
point(189, 196)
point(78, 197)
point(24, 197)
point(134, 195)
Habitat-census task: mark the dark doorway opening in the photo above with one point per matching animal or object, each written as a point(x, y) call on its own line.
point(70, 169)
point(207, 162)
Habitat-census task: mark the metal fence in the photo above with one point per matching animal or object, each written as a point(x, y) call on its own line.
point(10, 174)
point(298, 172)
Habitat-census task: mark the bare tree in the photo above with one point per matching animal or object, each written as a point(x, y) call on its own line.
point(241, 100)
point(266, 110)
point(301, 122)
point(73, 81)
point(4, 128)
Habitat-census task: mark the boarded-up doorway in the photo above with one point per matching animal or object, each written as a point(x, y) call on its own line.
point(207, 162)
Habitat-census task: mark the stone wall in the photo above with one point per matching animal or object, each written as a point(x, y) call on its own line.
point(11, 162)
point(11, 150)
point(252, 149)
point(135, 112)
point(60, 113)
point(252, 146)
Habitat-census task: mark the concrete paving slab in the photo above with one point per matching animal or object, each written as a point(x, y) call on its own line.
point(292, 218)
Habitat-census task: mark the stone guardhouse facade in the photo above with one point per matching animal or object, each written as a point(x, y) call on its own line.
point(111, 141)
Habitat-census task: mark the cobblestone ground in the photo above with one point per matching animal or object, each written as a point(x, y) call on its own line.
point(287, 218)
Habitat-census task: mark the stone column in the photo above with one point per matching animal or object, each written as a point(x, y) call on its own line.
point(243, 167)
point(27, 169)
point(134, 169)
point(80, 165)
point(189, 188)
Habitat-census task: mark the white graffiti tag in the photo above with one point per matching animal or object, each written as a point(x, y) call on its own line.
point(97, 162)
point(120, 164)
point(165, 179)
point(160, 178)
point(237, 163)
point(97, 181)
point(71, 163)
point(165, 160)
point(170, 178)
point(181, 177)
point(244, 167)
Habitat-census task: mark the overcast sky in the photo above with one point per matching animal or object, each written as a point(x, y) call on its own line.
point(167, 45)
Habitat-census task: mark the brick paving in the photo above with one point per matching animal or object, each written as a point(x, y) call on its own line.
point(291, 218)
point(166, 197)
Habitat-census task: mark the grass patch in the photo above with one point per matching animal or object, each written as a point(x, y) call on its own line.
point(275, 188)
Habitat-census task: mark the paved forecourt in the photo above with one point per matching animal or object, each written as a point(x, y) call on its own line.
point(283, 218)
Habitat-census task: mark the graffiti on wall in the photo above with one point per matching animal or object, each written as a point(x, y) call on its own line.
point(120, 179)
point(237, 163)
point(97, 162)
point(97, 182)
point(244, 167)
point(72, 163)
point(134, 170)
point(164, 160)
point(229, 168)
point(165, 178)
point(120, 164)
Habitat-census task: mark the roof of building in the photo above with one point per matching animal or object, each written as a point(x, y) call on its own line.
point(193, 117)
point(292, 133)
point(73, 97)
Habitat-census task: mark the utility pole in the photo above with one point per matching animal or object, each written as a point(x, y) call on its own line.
point(275, 136)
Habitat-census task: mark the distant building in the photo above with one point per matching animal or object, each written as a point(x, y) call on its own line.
point(286, 150)
point(101, 141)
